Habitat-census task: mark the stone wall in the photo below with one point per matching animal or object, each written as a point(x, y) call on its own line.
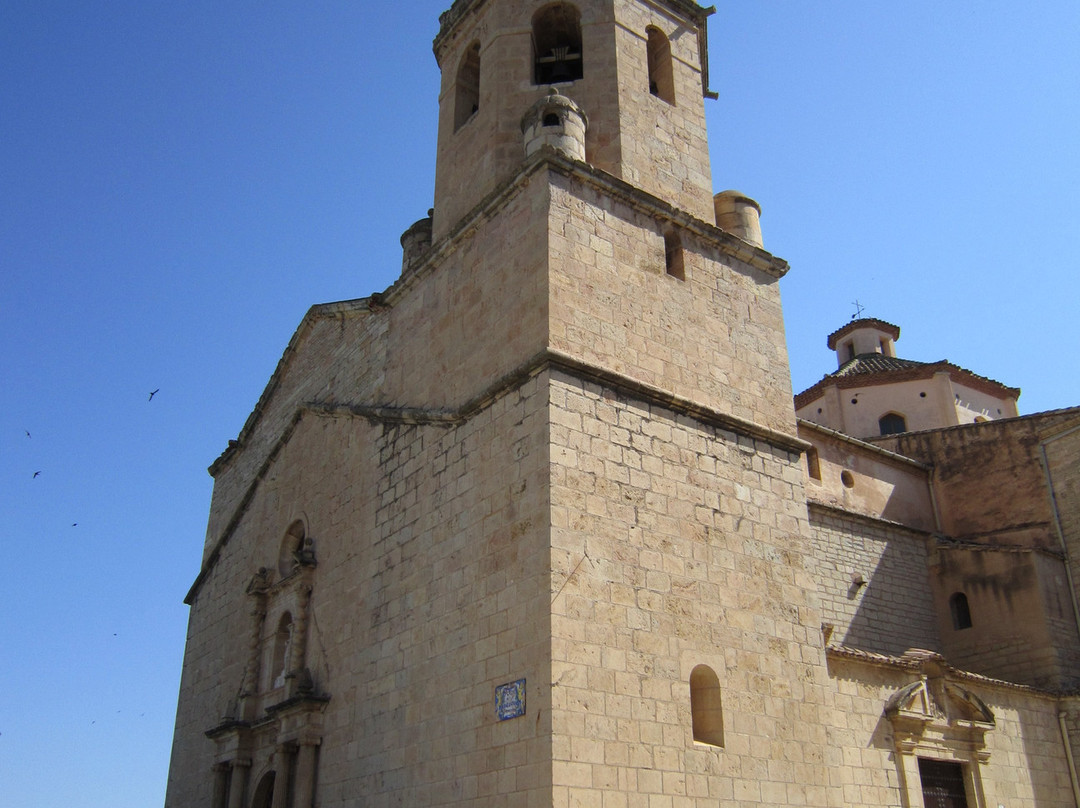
point(1022, 625)
point(874, 583)
point(1025, 765)
point(988, 479)
point(337, 354)
point(715, 337)
point(1061, 452)
point(435, 340)
point(432, 589)
point(853, 476)
point(676, 544)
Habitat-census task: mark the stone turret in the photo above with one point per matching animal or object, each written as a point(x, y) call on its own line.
point(739, 215)
point(557, 122)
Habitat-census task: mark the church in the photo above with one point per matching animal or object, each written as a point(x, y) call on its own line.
point(544, 525)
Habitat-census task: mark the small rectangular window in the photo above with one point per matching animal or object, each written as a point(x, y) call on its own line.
point(673, 256)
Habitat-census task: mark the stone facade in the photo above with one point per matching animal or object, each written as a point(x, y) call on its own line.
point(538, 526)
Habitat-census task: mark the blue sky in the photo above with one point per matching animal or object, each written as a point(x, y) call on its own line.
point(180, 181)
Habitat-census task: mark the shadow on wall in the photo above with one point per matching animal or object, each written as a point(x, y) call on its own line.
point(875, 586)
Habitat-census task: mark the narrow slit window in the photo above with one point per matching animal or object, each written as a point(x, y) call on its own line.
point(661, 75)
point(557, 54)
point(467, 98)
point(960, 611)
point(706, 707)
point(813, 463)
point(674, 262)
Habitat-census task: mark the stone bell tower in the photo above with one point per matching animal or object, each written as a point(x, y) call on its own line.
point(548, 481)
point(640, 70)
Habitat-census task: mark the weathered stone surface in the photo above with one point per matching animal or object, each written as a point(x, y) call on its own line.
point(559, 460)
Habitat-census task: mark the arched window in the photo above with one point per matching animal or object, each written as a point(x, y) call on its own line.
point(292, 546)
point(706, 710)
point(661, 77)
point(282, 645)
point(467, 98)
point(961, 614)
point(556, 37)
point(892, 424)
point(673, 255)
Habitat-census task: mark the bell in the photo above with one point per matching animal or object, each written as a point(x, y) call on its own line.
point(560, 71)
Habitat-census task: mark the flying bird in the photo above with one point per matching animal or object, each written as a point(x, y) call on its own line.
point(27, 431)
point(154, 393)
point(36, 473)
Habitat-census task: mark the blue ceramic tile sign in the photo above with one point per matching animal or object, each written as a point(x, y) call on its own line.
point(510, 700)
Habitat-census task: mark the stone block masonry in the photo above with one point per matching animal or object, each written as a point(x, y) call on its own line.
point(674, 545)
point(893, 609)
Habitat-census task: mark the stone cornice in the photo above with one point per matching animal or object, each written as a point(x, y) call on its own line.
point(863, 445)
point(925, 371)
point(914, 662)
point(543, 361)
point(545, 159)
point(602, 182)
point(866, 519)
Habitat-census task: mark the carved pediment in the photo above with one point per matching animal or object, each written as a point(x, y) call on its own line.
point(963, 705)
point(937, 711)
point(914, 703)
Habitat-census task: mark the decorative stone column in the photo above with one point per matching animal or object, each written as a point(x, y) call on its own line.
point(305, 774)
point(221, 785)
point(298, 646)
point(237, 782)
point(250, 685)
point(281, 775)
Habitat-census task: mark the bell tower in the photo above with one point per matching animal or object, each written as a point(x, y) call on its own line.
point(551, 474)
point(638, 70)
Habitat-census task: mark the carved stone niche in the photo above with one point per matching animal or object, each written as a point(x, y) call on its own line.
point(276, 670)
point(938, 718)
point(275, 719)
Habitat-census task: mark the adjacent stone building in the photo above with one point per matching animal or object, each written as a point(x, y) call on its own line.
point(538, 524)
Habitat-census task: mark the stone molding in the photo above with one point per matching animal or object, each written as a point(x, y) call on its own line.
point(544, 361)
